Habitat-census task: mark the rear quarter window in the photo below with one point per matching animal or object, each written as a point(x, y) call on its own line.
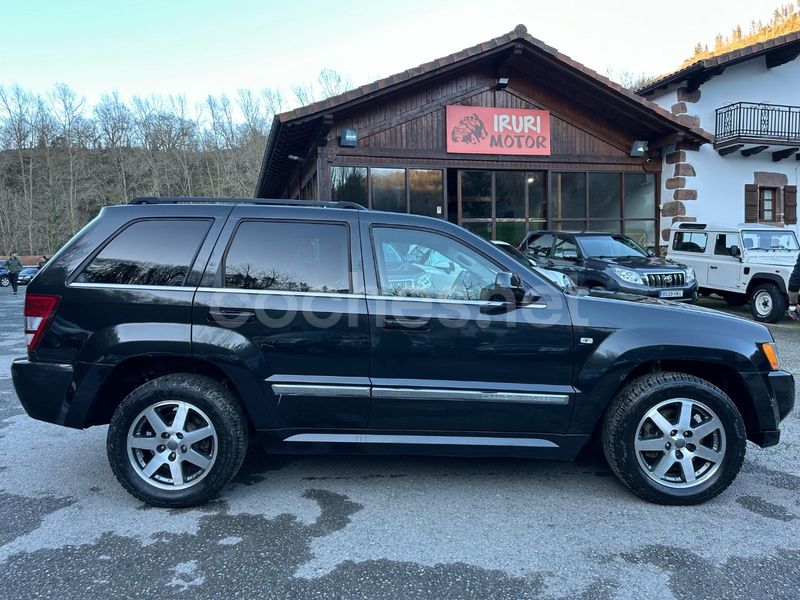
point(690, 241)
point(148, 252)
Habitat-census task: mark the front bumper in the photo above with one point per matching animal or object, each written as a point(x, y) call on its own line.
point(686, 293)
point(773, 399)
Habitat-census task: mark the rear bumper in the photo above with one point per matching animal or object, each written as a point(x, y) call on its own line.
point(58, 393)
point(43, 389)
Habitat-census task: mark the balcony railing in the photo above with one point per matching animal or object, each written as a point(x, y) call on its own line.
point(758, 122)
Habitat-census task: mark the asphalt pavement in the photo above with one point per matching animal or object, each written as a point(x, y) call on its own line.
point(396, 528)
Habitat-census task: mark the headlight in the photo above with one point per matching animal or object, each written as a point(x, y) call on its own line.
point(689, 274)
point(629, 276)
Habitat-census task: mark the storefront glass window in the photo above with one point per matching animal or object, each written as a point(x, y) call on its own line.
point(349, 184)
point(605, 195)
point(426, 192)
point(476, 195)
point(510, 231)
point(389, 190)
point(509, 194)
point(567, 195)
point(537, 196)
point(640, 195)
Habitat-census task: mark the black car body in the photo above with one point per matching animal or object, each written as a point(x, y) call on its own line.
point(611, 261)
point(343, 330)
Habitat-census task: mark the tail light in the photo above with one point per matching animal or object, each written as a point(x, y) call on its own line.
point(39, 311)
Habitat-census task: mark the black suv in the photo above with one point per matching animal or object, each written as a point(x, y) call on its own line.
point(610, 261)
point(190, 325)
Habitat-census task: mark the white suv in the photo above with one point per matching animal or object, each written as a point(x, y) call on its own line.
point(742, 263)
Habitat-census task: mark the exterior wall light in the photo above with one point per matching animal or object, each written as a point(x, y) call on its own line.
point(502, 83)
point(349, 137)
point(639, 148)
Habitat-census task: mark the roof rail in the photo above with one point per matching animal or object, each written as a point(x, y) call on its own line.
point(267, 201)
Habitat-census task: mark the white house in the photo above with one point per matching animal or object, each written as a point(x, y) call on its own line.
point(750, 100)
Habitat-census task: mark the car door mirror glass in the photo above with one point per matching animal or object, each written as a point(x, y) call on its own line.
point(570, 255)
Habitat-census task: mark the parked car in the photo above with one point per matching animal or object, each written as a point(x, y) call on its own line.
point(748, 263)
point(27, 274)
point(610, 261)
point(5, 280)
point(190, 325)
point(557, 278)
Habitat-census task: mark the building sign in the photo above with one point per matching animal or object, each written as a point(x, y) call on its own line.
point(479, 130)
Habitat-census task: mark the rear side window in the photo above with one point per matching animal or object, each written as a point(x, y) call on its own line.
point(154, 252)
point(293, 257)
point(689, 241)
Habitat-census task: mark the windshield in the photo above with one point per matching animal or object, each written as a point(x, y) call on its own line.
point(759, 239)
point(603, 246)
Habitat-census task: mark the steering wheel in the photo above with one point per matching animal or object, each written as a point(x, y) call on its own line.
point(462, 282)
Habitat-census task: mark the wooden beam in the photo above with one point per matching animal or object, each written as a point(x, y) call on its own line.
point(781, 154)
point(729, 149)
point(754, 150)
point(777, 58)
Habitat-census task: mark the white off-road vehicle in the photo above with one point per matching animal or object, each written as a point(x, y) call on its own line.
point(742, 263)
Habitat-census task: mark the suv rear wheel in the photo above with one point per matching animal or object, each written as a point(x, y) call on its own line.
point(177, 440)
point(674, 438)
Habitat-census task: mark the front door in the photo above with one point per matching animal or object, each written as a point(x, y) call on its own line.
point(445, 359)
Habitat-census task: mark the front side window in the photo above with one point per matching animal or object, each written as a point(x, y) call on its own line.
point(422, 264)
point(562, 245)
point(291, 257)
point(539, 247)
point(149, 252)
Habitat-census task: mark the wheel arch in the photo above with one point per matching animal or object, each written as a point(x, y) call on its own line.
point(721, 375)
point(758, 278)
point(135, 371)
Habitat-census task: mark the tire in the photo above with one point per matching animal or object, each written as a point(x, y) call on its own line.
point(768, 304)
point(5, 281)
point(650, 453)
point(734, 299)
point(147, 445)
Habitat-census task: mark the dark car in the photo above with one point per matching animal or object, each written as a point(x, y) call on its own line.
point(610, 261)
point(191, 325)
point(27, 274)
point(5, 279)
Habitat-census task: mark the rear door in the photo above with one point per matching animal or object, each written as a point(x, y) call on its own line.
point(282, 306)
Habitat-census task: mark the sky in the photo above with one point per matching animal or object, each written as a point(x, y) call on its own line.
point(205, 47)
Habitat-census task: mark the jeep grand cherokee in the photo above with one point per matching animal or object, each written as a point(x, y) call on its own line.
point(190, 325)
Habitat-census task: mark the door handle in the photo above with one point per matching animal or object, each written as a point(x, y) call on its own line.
point(712, 267)
point(408, 324)
point(227, 315)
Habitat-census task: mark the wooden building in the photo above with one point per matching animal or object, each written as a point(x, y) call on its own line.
point(501, 138)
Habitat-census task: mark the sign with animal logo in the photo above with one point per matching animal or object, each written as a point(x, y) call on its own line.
point(480, 130)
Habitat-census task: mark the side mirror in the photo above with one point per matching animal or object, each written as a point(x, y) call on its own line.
point(650, 253)
point(570, 255)
point(508, 289)
point(735, 251)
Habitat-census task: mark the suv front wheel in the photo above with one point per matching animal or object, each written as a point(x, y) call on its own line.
point(177, 440)
point(768, 304)
point(674, 438)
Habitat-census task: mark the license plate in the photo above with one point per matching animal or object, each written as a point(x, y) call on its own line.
point(670, 294)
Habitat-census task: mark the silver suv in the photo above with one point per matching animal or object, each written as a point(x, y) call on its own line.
point(742, 263)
